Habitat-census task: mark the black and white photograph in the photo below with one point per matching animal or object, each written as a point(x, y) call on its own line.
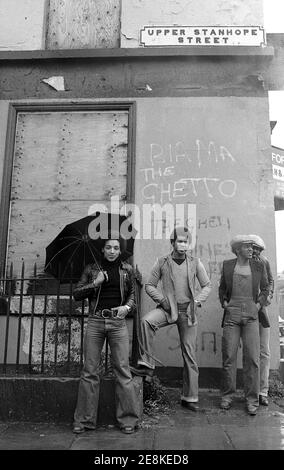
point(141, 230)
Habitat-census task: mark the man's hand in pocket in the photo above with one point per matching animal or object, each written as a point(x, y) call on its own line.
point(166, 305)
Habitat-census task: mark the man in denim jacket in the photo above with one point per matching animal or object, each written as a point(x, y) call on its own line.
point(176, 303)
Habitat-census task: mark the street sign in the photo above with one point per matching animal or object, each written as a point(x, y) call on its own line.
point(158, 36)
point(277, 158)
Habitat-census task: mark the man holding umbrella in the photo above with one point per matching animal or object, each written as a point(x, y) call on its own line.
point(109, 287)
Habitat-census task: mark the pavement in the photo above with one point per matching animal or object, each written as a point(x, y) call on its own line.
point(173, 429)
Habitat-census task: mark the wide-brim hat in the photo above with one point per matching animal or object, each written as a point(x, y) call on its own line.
point(239, 240)
point(257, 240)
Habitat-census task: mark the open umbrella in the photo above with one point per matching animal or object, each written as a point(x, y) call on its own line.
point(80, 243)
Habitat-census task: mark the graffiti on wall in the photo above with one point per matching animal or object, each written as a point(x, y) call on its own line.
point(216, 248)
point(214, 221)
point(211, 335)
point(208, 341)
point(176, 174)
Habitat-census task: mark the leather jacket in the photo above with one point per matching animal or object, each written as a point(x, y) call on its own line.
point(85, 287)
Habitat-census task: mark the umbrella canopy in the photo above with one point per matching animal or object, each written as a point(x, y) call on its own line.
point(80, 243)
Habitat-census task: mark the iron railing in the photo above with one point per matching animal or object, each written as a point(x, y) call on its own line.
point(42, 326)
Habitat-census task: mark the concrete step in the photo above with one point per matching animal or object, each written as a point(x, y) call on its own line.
point(53, 399)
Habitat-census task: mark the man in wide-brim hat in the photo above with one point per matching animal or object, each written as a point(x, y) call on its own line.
point(243, 290)
point(264, 323)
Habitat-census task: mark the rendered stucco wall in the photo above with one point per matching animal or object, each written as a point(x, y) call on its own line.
point(139, 13)
point(220, 148)
point(22, 24)
point(215, 153)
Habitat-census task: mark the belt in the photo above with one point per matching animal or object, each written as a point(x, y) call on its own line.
point(183, 305)
point(182, 308)
point(105, 313)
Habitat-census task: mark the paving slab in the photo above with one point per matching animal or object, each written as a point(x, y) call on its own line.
point(242, 419)
point(181, 418)
point(174, 429)
point(259, 438)
point(192, 438)
point(27, 436)
point(114, 440)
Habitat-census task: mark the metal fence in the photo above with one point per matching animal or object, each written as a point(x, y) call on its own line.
point(42, 326)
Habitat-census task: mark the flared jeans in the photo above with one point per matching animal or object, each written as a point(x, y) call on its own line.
point(241, 322)
point(264, 334)
point(97, 331)
point(150, 324)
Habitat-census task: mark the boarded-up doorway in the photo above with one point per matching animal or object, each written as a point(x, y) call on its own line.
point(63, 161)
